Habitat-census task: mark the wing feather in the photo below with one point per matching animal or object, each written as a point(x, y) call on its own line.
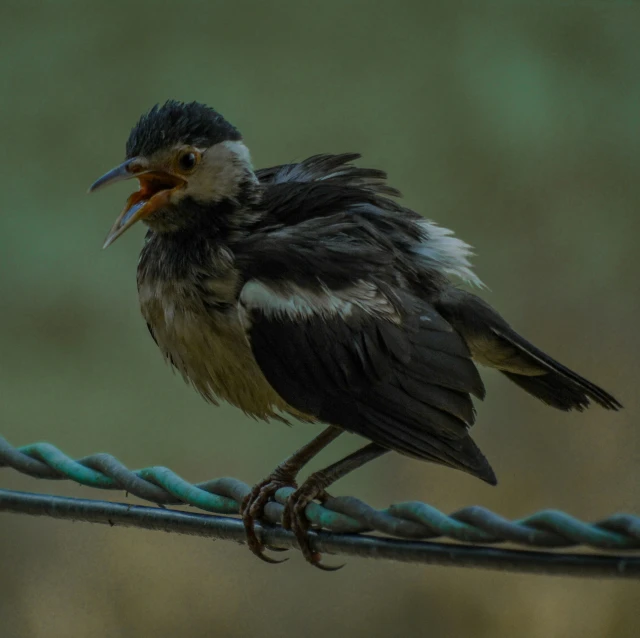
point(388, 368)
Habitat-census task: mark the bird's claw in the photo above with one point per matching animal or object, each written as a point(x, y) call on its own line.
point(293, 517)
point(295, 520)
point(252, 509)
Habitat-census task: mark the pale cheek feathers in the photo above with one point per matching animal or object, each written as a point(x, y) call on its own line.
point(223, 168)
point(442, 251)
point(294, 302)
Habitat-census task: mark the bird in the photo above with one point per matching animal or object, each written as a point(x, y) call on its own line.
point(307, 291)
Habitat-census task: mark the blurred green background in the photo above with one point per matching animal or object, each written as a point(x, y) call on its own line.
point(516, 126)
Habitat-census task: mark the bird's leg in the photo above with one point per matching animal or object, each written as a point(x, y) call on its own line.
point(284, 475)
point(294, 517)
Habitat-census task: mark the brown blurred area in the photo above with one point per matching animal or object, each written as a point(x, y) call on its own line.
point(515, 126)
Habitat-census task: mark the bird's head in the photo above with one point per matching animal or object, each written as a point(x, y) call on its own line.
point(187, 159)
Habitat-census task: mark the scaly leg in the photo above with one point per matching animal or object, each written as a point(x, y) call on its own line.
point(284, 475)
point(313, 488)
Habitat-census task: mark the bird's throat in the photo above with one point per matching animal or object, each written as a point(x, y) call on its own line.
point(211, 219)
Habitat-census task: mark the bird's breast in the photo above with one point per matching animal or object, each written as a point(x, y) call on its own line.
point(197, 328)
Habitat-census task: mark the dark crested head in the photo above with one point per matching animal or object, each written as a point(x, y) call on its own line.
point(191, 165)
point(174, 122)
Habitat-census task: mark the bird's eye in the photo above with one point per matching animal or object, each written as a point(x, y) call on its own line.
point(188, 160)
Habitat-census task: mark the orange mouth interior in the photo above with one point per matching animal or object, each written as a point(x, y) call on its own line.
point(152, 184)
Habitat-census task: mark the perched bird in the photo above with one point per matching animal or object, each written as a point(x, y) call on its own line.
point(306, 290)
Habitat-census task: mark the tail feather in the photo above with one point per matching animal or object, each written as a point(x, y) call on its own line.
point(560, 387)
point(494, 343)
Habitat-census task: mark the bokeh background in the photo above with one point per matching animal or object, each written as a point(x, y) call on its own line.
point(517, 126)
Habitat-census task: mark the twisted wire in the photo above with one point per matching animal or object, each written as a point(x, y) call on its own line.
point(410, 520)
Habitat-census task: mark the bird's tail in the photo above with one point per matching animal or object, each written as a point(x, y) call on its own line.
point(557, 385)
point(494, 343)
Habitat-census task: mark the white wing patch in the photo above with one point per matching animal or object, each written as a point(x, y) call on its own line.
point(297, 302)
point(443, 252)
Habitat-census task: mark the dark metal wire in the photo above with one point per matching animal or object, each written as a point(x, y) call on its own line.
point(364, 546)
point(343, 515)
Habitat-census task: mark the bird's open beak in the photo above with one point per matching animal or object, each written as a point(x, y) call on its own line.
point(155, 190)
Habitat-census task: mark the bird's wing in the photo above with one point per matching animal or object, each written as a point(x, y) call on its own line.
point(378, 362)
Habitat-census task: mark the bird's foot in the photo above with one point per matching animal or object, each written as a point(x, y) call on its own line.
point(294, 518)
point(252, 510)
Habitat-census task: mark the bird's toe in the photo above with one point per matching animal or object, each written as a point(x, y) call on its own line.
point(294, 518)
point(252, 511)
